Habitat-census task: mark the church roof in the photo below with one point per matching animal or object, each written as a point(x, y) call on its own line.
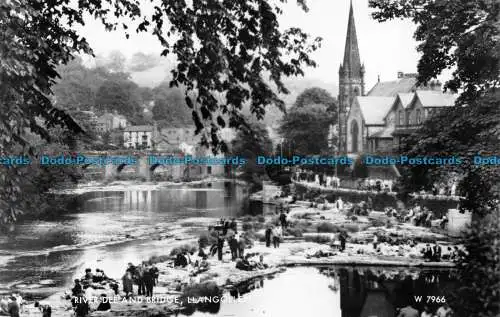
point(386, 133)
point(406, 99)
point(393, 88)
point(352, 61)
point(432, 99)
point(374, 109)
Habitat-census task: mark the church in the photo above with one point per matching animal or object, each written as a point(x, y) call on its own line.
point(375, 121)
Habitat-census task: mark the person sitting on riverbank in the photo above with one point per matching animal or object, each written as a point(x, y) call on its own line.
point(77, 289)
point(444, 311)
point(81, 306)
point(261, 265)
point(13, 307)
point(44, 308)
point(181, 260)
point(408, 311)
point(104, 304)
point(243, 264)
point(99, 276)
point(88, 277)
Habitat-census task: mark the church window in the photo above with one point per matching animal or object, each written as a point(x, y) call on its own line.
point(401, 117)
point(419, 116)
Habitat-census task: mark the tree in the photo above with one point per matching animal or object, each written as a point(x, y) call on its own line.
point(116, 62)
point(249, 143)
point(316, 95)
point(118, 95)
point(463, 35)
point(220, 47)
point(305, 129)
point(170, 106)
point(453, 34)
point(141, 62)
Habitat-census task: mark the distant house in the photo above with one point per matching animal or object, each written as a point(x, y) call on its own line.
point(422, 105)
point(87, 119)
point(139, 136)
point(111, 121)
point(379, 123)
point(171, 139)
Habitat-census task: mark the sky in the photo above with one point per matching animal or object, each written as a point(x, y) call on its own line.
point(385, 48)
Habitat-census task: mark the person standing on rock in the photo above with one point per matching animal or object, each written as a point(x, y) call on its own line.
point(343, 239)
point(283, 219)
point(128, 283)
point(220, 246)
point(233, 246)
point(241, 246)
point(140, 279)
point(148, 281)
point(268, 235)
point(234, 225)
point(277, 232)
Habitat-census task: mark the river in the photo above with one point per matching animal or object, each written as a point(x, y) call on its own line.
point(335, 292)
point(106, 227)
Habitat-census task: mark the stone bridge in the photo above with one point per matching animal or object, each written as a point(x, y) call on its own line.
point(137, 164)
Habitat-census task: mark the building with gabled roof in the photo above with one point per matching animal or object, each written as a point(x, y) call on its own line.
point(368, 122)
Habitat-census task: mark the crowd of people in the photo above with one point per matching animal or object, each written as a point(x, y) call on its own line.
point(409, 311)
point(83, 290)
point(322, 179)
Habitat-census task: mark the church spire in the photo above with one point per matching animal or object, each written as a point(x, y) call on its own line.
point(352, 63)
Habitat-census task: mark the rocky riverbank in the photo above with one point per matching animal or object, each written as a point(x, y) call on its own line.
point(308, 241)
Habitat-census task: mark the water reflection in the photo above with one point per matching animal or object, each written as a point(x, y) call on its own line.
point(342, 292)
point(107, 229)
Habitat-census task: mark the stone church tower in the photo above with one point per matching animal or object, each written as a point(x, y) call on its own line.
point(351, 80)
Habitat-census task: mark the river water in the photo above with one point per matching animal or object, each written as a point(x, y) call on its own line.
point(107, 227)
point(335, 292)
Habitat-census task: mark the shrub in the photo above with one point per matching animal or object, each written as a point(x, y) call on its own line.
point(260, 237)
point(205, 289)
point(354, 218)
point(295, 232)
point(257, 226)
point(327, 227)
point(207, 239)
point(377, 223)
point(248, 219)
point(158, 259)
point(261, 219)
point(351, 227)
point(247, 226)
point(318, 239)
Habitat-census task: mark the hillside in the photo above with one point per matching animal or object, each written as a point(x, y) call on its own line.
point(155, 75)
